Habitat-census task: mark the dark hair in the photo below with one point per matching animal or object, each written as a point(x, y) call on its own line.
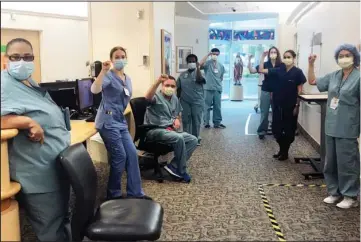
point(215, 50)
point(278, 59)
point(17, 40)
point(190, 56)
point(291, 52)
point(171, 78)
point(115, 49)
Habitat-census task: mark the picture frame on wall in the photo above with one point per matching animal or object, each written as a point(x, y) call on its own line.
point(182, 53)
point(166, 49)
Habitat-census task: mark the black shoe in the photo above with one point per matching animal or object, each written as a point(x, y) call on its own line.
point(261, 136)
point(283, 157)
point(207, 126)
point(277, 155)
point(114, 198)
point(144, 197)
point(220, 126)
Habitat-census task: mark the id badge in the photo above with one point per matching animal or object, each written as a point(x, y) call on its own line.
point(126, 91)
point(334, 103)
point(66, 113)
point(215, 71)
point(186, 75)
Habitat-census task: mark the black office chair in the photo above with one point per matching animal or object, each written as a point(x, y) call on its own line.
point(114, 220)
point(139, 107)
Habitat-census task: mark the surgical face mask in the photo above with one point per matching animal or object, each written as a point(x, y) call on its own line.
point(345, 62)
point(288, 61)
point(192, 66)
point(273, 56)
point(214, 57)
point(119, 64)
point(21, 70)
point(168, 91)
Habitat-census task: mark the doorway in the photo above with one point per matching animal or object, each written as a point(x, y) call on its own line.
point(33, 37)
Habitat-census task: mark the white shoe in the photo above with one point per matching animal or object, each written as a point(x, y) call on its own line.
point(331, 199)
point(347, 202)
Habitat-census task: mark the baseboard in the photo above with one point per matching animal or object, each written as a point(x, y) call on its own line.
point(309, 138)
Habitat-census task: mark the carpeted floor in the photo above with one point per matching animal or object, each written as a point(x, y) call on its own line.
point(223, 203)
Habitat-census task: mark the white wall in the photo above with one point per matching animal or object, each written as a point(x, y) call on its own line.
point(192, 32)
point(339, 23)
point(63, 44)
point(116, 24)
point(163, 18)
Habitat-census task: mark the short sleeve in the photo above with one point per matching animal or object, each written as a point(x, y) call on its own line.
point(301, 79)
point(205, 67)
point(324, 82)
point(9, 104)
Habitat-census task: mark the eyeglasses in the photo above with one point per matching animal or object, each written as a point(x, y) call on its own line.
point(26, 58)
point(169, 85)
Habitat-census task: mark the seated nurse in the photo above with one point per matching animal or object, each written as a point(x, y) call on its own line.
point(43, 134)
point(116, 88)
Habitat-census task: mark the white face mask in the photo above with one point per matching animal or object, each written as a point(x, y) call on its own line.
point(214, 57)
point(192, 66)
point(169, 91)
point(345, 62)
point(288, 61)
point(273, 56)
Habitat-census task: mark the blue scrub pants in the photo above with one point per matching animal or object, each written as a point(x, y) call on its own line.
point(122, 156)
point(192, 117)
point(48, 213)
point(183, 145)
point(265, 104)
point(342, 167)
point(215, 98)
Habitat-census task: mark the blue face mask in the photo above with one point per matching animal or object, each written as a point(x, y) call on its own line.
point(21, 70)
point(120, 64)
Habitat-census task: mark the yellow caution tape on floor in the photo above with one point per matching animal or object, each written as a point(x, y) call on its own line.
point(276, 227)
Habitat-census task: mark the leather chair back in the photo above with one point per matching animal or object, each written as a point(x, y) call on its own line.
point(139, 107)
point(79, 168)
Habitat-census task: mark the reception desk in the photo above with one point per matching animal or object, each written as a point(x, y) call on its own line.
point(81, 131)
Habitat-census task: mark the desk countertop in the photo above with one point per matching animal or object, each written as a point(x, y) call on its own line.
point(313, 96)
point(81, 131)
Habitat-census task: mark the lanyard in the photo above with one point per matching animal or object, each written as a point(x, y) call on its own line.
point(341, 83)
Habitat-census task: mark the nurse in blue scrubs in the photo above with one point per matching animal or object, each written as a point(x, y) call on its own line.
point(43, 134)
point(116, 88)
point(342, 126)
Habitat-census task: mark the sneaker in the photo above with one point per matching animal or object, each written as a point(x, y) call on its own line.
point(348, 202)
point(173, 171)
point(143, 197)
point(186, 177)
point(220, 126)
point(282, 157)
point(331, 199)
point(261, 136)
point(207, 126)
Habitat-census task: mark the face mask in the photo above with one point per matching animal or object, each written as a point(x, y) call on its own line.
point(273, 56)
point(288, 61)
point(345, 62)
point(120, 64)
point(192, 66)
point(214, 57)
point(21, 70)
point(168, 91)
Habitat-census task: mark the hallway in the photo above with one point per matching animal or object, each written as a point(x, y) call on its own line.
point(223, 202)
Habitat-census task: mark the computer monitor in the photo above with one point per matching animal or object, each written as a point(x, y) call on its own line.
point(64, 97)
point(85, 96)
point(58, 85)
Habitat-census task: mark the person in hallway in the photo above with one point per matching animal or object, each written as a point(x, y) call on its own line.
point(285, 89)
point(342, 126)
point(116, 88)
point(214, 72)
point(238, 70)
point(43, 135)
point(273, 61)
point(191, 95)
point(254, 70)
point(164, 110)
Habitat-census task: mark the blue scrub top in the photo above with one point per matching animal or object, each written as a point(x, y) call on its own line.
point(344, 121)
point(191, 91)
point(32, 164)
point(269, 78)
point(114, 102)
point(213, 79)
point(161, 111)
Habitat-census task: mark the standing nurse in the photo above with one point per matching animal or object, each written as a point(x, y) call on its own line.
point(116, 88)
point(190, 90)
point(214, 72)
point(342, 126)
